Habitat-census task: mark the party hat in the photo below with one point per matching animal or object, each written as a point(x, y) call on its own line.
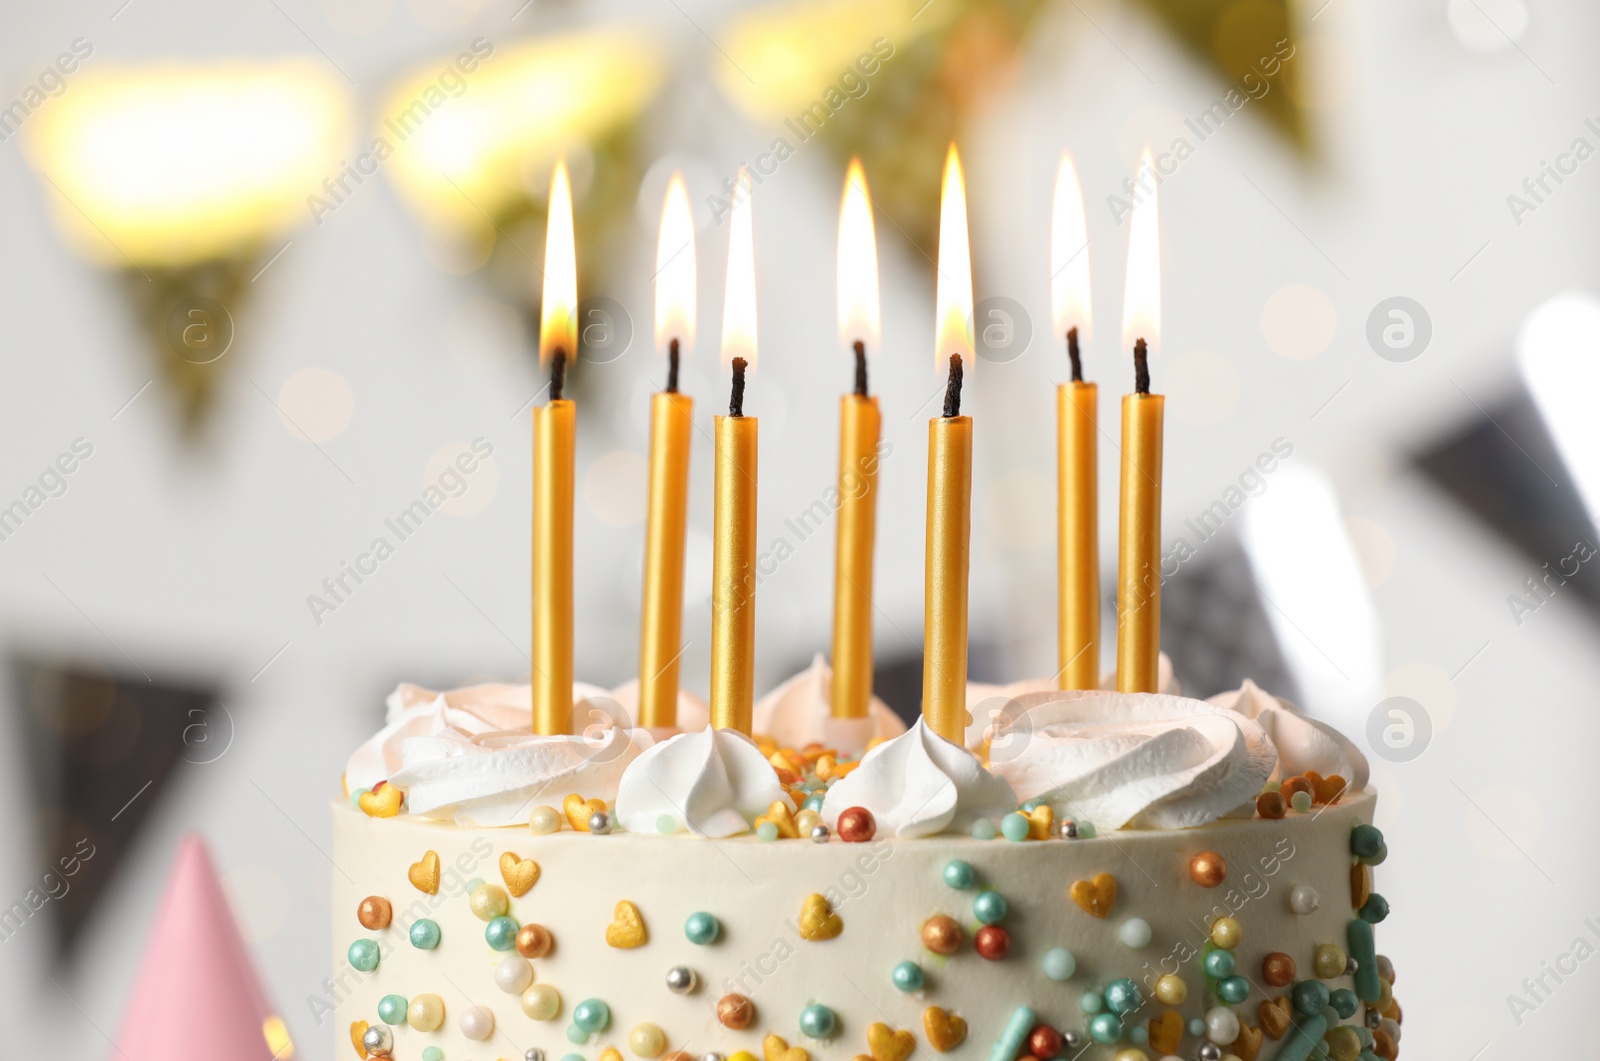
point(197, 996)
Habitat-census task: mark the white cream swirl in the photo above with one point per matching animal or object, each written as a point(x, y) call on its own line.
point(800, 712)
point(919, 784)
point(987, 705)
point(470, 755)
point(1140, 760)
point(1303, 743)
point(713, 783)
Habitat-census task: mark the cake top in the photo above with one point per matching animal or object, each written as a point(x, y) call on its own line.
point(1097, 759)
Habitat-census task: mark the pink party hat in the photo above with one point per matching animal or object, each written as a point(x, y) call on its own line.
point(197, 997)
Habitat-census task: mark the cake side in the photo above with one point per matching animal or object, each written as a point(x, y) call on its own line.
point(1157, 917)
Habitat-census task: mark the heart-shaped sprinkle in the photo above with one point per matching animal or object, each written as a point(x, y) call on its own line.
point(945, 1030)
point(817, 919)
point(382, 802)
point(1325, 789)
point(1097, 896)
point(1273, 1013)
point(782, 817)
point(424, 873)
point(626, 930)
point(1248, 1045)
point(579, 810)
point(1360, 885)
point(358, 1032)
point(887, 1044)
point(1166, 1032)
point(1040, 819)
point(774, 1048)
point(520, 874)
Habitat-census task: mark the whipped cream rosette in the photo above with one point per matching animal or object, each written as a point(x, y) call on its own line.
point(992, 706)
point(712, 783)
point(919, 784)
point(1140, 760)
point(800, 712)
point(1303, 743)
point(470, 755)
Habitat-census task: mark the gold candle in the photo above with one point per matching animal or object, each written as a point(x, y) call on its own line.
point(1139, 523)
point(671, 422)
point(949, 540)
point(1078, 533)
point(859, 429)
point(733, 571)
point(554, 449)
point(949, 520)
point(1077, 444)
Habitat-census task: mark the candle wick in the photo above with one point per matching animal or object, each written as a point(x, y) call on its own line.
point(672, 367)
point(736, 399)
point(861, 369)
point(1141, 367)
point(558, 375)
point(952, 389)
point(1072, 355)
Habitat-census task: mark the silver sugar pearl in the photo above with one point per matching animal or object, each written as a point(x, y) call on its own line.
point(1068, 829)
point(820, 833)
point(1070, 1039)
point(533, 1053)
point(712, 1057)
point(1208, 1052)
point(1372, 1018)
point(599, 823)
point(1350, 966)
point(379, 1040)
point(682, 980)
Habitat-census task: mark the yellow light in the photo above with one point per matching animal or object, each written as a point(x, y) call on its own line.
point(277, 1036)
point(675, 269)
point(1069, 255)
point(859, 319)
point(795, 61)
point(953, 289)
point(462, 155)
point(171, 165)
point(558, 307)
point(739, 302)
point(1141, 304)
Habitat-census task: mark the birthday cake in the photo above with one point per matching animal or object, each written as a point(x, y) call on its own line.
point(1094, 874)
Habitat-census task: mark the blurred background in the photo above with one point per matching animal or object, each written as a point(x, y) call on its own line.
point(268, 268)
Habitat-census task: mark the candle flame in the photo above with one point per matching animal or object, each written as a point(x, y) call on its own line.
point(953, 289)
point(739, 301)
point(859, 319)
point(675, 269)
point(558, 307)
point(1141, 303)
point(1069, 255)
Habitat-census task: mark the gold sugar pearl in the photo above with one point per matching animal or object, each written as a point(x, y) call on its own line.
point(1329, 961)
point(1171, 990)
point(1226, 933)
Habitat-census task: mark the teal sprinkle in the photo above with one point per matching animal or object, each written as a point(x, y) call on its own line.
point(767, 832)
point(571, 1057)
point(1302, 1039)
point(1009, 1045)
point(1197, 1026)
point(432, 1053)
point(1085, 830)
point(1030, 806)
point(424, 934)
point(576, 1035)
point(666, 825)
point(1014, 826)
point(1375, 909)
point(1138, 1035)
point(812, 803)
point(392, 1009)
point(1365, 841)
point(363, 954)
point(1091, 1002)
point(959, 875)
point(1358, 937)
point(501, 933)
point(474, 884)
point(983, 829)
point(355, 797)
point(1105, 1028)
point(1301, 801)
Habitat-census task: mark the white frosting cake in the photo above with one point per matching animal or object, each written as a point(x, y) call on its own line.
point(1125, 876)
